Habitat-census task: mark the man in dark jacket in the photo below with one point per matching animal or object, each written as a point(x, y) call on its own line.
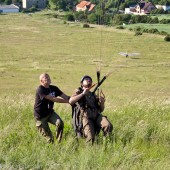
point(91, 107)
point(46, 95)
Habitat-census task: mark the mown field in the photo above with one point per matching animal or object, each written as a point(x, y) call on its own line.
point(137, 94)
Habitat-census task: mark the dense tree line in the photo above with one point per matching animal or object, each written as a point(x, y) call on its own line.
point(107, 4)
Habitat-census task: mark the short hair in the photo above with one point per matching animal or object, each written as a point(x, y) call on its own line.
point(42, 75)
point(84, 77)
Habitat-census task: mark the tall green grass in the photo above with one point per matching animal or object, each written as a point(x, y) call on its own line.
point(141, 139)
point(137, 94)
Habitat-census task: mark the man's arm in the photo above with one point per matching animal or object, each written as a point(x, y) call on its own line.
point(64, 98)
point(76, 97)
point(101, 102)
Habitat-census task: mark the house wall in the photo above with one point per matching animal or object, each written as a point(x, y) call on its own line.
point(81, 9)
point(9, 8)
point(26, 4)
point(143, 11)
point(138, 10)
point(165, 8)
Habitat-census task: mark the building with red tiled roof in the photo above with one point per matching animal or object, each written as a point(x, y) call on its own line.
point(85, 5)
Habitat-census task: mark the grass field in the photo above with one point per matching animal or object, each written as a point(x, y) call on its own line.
point(162, 16)
point(137, 94)
point(159, 27)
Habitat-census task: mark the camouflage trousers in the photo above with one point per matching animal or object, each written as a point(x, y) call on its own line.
point(43, 127)
point(90, 125)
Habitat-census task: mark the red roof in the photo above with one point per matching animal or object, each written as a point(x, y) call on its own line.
point(92, 7)
point(82, 4)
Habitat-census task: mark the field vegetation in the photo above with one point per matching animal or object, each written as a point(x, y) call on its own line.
point(137, 94)
point(159, 27)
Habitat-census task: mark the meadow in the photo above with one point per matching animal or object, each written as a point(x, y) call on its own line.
point(137, 94)
point(159, 27)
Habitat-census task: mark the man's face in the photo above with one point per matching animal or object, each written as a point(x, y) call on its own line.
point(86, 83)
point(46, 81)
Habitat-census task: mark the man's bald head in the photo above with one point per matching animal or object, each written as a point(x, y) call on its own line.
point(45, 79)
point(43, 75)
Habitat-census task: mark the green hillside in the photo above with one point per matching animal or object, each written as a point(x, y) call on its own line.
point(137, 94)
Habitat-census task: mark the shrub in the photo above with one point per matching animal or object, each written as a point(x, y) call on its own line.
point(92, 18)
point(158, 11)
point(138, 28)
point(86, 26)
point(153, 31)
point(167, 38)
point(55, 15)
point(69, 17)
point(33, 9)
point(145, 30)
point(79, 16)
point(164, 21)
point(163, 33)
point(137, 33)
point(120, 27)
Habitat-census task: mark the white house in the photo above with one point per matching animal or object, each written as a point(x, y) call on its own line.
point(164, 7)
point(130, 10)
point(142, 8)
point(9, 8)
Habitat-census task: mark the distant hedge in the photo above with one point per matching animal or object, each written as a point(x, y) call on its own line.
point(167, 38)
point(119, 19)
point(146, 30)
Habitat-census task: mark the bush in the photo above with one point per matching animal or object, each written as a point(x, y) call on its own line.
point(164, 21)
point(138, 28)
point(137, 33)
point(55, 15)
point(167, 38)
point(158, 11)
point(145, 30)
point(33, 9)
point(163, 33)
point(79, 16)
point(69, 17)
point(86, 26)
point(153, 31)
point(120, 27)
point(92, 18)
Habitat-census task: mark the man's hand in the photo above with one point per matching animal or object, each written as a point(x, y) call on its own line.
point(86, 91)
point(101, 100)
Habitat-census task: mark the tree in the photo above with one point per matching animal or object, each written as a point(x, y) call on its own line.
point(79, 16)
point(8, 2)
point(92, 18)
